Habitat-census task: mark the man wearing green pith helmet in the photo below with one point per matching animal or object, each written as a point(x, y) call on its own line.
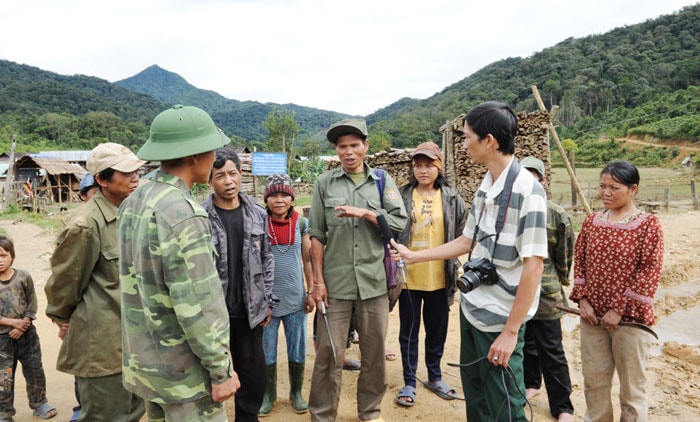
point(174, 319)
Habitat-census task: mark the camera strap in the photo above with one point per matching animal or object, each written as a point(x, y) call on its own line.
point(502, 208)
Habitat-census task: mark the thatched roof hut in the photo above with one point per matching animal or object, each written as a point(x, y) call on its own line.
point(59, 180)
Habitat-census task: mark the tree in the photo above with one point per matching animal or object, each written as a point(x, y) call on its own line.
point(281, 128)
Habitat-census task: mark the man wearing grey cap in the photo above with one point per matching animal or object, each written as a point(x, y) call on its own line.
point(83, 290)
point(544, 355)
point(348, 265)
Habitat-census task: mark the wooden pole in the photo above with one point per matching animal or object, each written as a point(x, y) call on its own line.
point(9, 194)
point(572, 159)
point(696, 203)
point(562, 153)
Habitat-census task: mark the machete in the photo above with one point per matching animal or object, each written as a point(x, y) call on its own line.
point(622, 323)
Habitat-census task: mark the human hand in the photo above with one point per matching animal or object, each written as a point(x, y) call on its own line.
point(63, 330)
point(350, 211)
point(267, 319)
point(309, 303)
point(611, 320)
point(502, 349)
point(16, 333)
point(226, 390)
point(319, 294)
point(588, 315)
point(400, 252)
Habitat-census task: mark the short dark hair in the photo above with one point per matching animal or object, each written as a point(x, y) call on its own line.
point(223, 155)
point(105, 175)
point(623, 172)
point(7, 244)
point(495, 118)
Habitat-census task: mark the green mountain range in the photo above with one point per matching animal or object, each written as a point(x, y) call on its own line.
point(640, 79)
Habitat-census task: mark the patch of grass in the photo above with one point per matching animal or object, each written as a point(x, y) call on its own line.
point(13, 212)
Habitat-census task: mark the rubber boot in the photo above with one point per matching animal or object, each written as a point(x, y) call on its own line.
point(270, 390)
point(296, 380)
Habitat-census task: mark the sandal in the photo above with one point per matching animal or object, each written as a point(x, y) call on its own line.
point(351, 365)
point(45, 411)
point(406, 397)
point(389, 355)
point(441, 388)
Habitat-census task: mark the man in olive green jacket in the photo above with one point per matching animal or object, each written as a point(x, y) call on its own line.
point(348, 261)
point(83, 290)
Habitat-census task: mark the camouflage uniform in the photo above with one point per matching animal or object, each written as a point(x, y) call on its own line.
point(560, 239)
point(543, 351)
point(175, 322)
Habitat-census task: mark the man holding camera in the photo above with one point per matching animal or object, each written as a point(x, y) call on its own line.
point(505, 276)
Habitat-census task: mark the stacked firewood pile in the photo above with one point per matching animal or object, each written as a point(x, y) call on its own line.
point(465, 176)
point(247, 179)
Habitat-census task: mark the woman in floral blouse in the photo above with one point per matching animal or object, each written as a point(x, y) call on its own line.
point(617, 266)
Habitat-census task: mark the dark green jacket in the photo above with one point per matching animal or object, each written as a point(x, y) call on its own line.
point(83, 289)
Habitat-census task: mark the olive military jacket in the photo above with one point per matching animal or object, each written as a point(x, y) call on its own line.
point(353, 262)
point(560, 248)
point(83, 289)
point(175, 322)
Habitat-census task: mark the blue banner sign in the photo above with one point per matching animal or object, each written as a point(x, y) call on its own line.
point(267, 163)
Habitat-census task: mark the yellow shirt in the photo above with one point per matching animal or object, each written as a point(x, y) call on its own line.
point(427, 231)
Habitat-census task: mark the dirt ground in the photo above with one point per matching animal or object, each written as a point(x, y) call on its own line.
point(674, 368)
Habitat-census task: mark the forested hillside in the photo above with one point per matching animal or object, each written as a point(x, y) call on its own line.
point(597, 81)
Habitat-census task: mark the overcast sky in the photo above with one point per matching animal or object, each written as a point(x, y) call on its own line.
point(348, 56)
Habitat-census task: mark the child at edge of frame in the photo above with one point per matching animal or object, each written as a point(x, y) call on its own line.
point(19, 340)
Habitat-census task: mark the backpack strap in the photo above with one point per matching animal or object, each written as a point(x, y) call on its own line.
point(380, 182)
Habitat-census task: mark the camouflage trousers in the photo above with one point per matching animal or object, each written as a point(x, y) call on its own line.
point(203, 409)
point(27, 351)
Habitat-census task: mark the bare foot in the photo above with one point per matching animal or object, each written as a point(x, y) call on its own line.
point(566, 417)
point(532, 392)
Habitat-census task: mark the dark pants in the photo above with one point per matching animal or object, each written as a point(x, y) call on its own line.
point(435, 320)
point(249, 363)
point(492, 393)
point(26, 350)
point(544, 356)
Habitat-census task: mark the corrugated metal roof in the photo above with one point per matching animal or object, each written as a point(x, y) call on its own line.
point(71, 156)
point(53, 166)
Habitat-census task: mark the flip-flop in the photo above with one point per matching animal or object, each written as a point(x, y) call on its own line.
point(389, 355)
point(407, 392)
point(352, 365)
point(45, 411)
point(441, 388)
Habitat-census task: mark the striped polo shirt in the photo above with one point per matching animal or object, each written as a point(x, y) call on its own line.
point(524, 235)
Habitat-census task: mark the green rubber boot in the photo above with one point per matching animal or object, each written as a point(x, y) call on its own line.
point(296, 380)
point(270, 391)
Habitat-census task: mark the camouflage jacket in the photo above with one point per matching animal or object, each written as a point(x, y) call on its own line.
point(17, 298)
point(84, 290)
point(560, 240)
point(175, 322)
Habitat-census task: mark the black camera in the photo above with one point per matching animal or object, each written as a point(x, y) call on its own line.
point(477, 271)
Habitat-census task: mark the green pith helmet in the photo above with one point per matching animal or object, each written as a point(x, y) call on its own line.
point(182, 131)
